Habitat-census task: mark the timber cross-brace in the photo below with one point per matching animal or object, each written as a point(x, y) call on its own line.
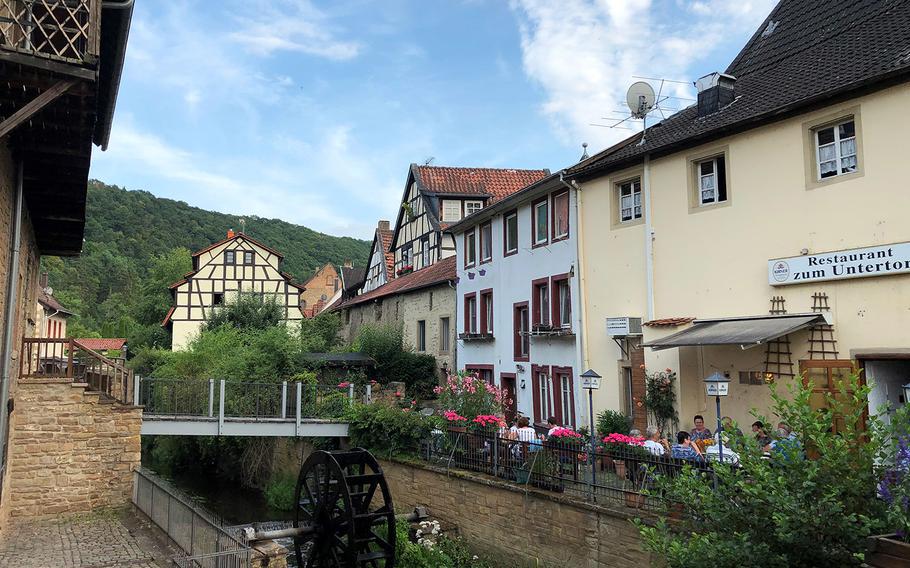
point(35, 105)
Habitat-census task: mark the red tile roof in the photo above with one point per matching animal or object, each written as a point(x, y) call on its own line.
point(495, 182)
point(50, 302)
point(386, 237)
point(442, 271)
point(235, 237)
point(102, 344)
point(167, 318)
point(668, 322)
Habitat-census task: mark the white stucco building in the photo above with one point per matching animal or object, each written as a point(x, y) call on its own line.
point(518, 310)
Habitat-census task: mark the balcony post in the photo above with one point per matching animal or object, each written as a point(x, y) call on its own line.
point(284, 399)
point(299, 402)
point(221, 409)
point(136, 381)
point(211, 398)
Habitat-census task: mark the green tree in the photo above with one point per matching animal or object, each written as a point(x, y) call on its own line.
point(246, 311)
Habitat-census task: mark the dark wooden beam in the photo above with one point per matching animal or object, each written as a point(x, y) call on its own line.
point(35, 105)
point(69, 69)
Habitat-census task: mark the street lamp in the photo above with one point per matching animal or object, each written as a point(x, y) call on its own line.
point(907, 394)
point(718, 385)
point(591, 381)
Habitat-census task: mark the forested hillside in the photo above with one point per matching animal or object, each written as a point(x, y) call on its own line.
point(136, 243)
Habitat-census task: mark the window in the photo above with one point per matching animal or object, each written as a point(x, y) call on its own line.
point(421, 335)
point(539, 222)
point(561, 216)
point(510, 233)
point(543, 394)
point(451, 210)
point(836, 149)
point(486, 242)
point(712, 180)
point(431, 300)
point(444, 334)
point(486, 311)
point(541, 298)
point(425, 252)
point(247, 257)
point(218, 299)
point(472, 207)
point(521, 343)
point(470, 249)
point(630, 201)
point(229, 257)
point(407, 258)
point(484, 372)
point(470, 313)
point(564, 395)
point(562, 302)
point(627, 399)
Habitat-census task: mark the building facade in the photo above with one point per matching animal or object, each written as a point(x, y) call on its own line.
point(760, 233)
point(236, 265)
point(50, 315)
point(518, 300)
point(321, 290)
point(381, 264)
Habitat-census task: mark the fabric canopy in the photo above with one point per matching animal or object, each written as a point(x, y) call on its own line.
point(743, 331)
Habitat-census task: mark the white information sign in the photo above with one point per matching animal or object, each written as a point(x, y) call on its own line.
point(718, 389)
point(592, 383)
point(883, 260)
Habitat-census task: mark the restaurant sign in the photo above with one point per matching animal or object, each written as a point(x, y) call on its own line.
point(881, 260)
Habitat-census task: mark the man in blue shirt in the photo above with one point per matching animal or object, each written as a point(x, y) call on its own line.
point(787, 446)
point(684, 449)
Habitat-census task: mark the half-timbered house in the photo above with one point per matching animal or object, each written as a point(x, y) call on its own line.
point(236, 265)
point(381, 266)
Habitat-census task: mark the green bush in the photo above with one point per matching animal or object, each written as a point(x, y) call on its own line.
point(386, 430)
point(611, 421)
point(385, 344)
point(279, 493)
point(247, 311)
point(444, 553)
point(333, 405)
point(788, 511)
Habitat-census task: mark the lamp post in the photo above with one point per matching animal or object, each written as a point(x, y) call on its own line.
point(591, 381)
point(907, 394)
point(718, 386)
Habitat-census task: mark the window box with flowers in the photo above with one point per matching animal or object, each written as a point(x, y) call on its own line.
point(405, 270)
point(621, 447)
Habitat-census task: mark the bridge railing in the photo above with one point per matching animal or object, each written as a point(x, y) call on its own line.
point(246, 400)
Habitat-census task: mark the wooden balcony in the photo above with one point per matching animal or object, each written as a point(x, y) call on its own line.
point(69, 359)
point(60, 30)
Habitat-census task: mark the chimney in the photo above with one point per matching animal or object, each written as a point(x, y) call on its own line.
point(230, 233)
point(349, 264)
point(42, 281)
point(715, 91)
point(383, 225)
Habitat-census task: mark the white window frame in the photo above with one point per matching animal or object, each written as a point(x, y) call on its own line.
point(565, 388)
point(715, 182)
point(545, 206)
point(505, 221)
point(838, 155)
point(472, 206)
point(524, 327)
point(486, 243)
point(470, 251)
point(564, 234)
point(564, 297)
point(487, 298)
point(545, 394)
point(471, 314)
point(630, 202)
point(542, 291)
point(451, 210)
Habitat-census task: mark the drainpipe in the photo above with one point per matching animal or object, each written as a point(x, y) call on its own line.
point(580, 316)
point(9, 312)
point(649, 236)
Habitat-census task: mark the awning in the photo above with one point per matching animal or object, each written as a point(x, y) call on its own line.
point(746, 332)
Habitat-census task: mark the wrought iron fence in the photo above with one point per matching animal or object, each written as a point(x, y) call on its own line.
point(618, 477)
point(201, 535)
point(175, 397)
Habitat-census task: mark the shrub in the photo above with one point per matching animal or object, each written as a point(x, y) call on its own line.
point(247, 311)
point(279, 493)
point(333, 405)
point(660, 399)
point(387, 430)
point(464, 397)
point(385, 344)
point(613, 422)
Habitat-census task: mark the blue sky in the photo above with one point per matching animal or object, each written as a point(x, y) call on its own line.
point(311, 111)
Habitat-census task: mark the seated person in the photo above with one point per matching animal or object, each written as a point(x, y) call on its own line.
point(758, 429)
point(552, 425)
point(653, 442)
point(787, 445)
point(700, 432)
point(713, 451)
point(684, 449)
point(730, 428)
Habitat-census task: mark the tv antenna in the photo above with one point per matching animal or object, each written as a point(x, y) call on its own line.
point(641, 101)
point(243, 225)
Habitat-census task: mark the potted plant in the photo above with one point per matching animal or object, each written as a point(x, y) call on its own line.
point(611, 422)
point(569, 446)
point(455, 422)
point(894, 489)
point(619, 446)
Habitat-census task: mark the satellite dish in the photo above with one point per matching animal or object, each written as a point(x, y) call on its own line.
point(640, 99)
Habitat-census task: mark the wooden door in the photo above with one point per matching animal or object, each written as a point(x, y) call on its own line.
point(823, 376)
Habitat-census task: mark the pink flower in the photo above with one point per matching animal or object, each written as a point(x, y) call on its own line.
point(565, 433)
point(489, 420)
point(398, 394)
point(617, 438)
point(344, 384)
point(437, 390)
point(453, 416)
point(413, 402)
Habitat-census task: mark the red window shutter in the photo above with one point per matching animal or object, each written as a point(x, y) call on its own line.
point(535, 384)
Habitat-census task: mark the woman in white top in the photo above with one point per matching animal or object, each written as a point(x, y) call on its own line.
point(652, 444)
point(524, 432)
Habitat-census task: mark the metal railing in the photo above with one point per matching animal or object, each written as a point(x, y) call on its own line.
point(64, 30)
point(617, 477)
point(248, 400)
point(201, 535)
point(69, 359)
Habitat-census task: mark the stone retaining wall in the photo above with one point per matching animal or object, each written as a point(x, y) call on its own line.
point(69, 451)
point(536, 528)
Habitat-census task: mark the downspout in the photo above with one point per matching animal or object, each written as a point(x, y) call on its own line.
point(649, 236)
point(581, 338)
point(9, 312)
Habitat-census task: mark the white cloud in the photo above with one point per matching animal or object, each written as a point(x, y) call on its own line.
point(291, 25)
point(585, 53)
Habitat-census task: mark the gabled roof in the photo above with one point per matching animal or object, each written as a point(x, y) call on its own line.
point(352, 278)
point(438, 273)
point(234, 238)
point(495, 183)
point(167, 318)
point(51, 303)
point(806, 54)
point(102, 343)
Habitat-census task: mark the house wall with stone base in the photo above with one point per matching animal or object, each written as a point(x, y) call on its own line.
point(69, 450)
point(534, 528)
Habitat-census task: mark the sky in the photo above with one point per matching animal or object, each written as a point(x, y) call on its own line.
point(312, 111)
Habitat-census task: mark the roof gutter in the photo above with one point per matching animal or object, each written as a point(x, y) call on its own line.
point(109, 82)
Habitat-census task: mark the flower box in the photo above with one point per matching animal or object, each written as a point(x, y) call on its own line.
point(886, 551)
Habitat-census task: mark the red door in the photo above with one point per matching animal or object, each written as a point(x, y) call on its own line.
point(507, 380)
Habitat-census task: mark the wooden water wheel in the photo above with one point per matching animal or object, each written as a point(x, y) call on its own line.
point(343, 498)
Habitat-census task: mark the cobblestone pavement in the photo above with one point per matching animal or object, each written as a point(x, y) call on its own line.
point(96, 540)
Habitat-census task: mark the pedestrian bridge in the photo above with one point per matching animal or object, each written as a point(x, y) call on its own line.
point(184, 407)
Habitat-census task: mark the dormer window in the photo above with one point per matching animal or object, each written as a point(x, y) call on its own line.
point(471, 207)
point(451, 210)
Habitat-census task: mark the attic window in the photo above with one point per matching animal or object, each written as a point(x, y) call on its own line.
point(451, 210)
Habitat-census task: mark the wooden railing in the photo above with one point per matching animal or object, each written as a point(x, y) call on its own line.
point(64, 30)
point(69, 359)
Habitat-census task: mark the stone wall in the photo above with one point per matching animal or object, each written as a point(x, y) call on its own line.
point(536, 528)
point(69, 450)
